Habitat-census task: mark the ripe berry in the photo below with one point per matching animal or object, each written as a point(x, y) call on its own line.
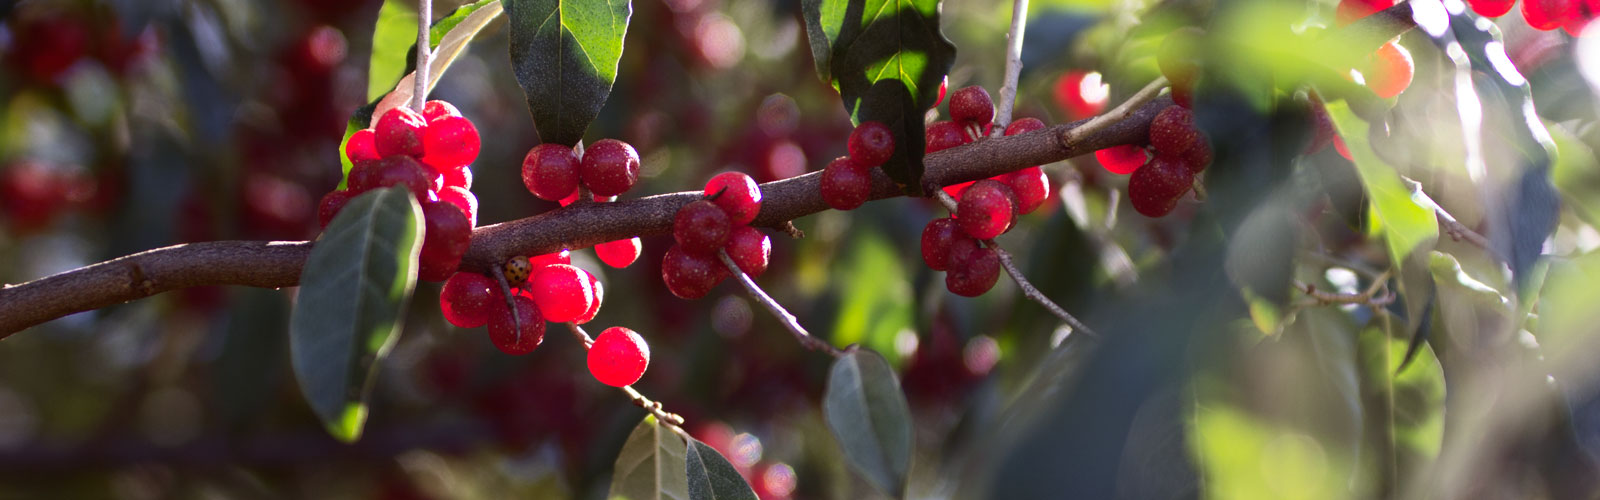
point(462, 199)
point(972, 105)
point(937, 237)
point(845, 185)
point(955, 190)
point(550, 171)
point(433, 110)
point(1031, 186)
point(1546, 15)
point(871, 144)
point(504, 334)
point(618, 357)
point(740, 197)
point(1024, 125)
point(444, 241)
point(399, 132)
point(986, 209)
point(1391, 69)
point(467, 298)
point(599, 296)
point(1491, 8)
point(687, 275)
point(331, 204)
point(1172, 131)
point(459, 177)
point(562, 292)
point(1179, 59)
point(517, 270)
point(1352, 10)
point(977, 271)
point(701, 227)
point(1155, 188)
point(1122, 160)
point(562, 257)
point(1338, 145)
point(393, 171)
point(609, 167)
point(1081, 94)
point(944, 85)
point(750, 250)
point(361, 146)
point(450, 142)
point(944, 135)
point(620, 253)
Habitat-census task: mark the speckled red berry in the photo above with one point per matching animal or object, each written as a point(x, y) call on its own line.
point(972, 105)
point(1155, 188)
point(689, 276)
point(550, 172)
point(361, 146)
point(445, 239)
point(845, 185)
point(750, 249)
point(467, 299)
point(986, 209)
point(618, 357)
point(507, 337)
point(330, 205)
point(737, 194)
point(609, 167)
point(619, 253)
point(450, 142)
point(944, 135)
point(937, 237)
point(561, 291)
point(871, 144)
point(399, 132)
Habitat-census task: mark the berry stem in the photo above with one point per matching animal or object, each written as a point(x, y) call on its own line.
point(1117, 114)
point(1008, 89)
point(672, 420)
point(505, 291)
point(1027, 287)
point(419, 96)
point(1448, 223)
point(789, 320)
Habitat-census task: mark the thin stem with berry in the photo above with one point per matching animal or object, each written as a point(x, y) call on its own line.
point(789, 321)
point(1071, 136)
point(671, 419)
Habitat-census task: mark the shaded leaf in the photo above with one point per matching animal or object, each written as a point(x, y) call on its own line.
point(353, 291)
point(711, 477)
point(870, 419)
point(249, 371)
point(651, 465)
point(1405, 224)
point(565, 56)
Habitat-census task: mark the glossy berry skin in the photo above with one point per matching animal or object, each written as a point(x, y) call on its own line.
point(361, 146)
point(944, 135)
point(618, 357)
point(955, 190)
point(619, 253)
point(433, 110)
point(871, 144)
point(1172, 131)
point(1031, 186)
point(399, 132)
point(1391, 70)
point(550, 171)
point(450, 142)
point(1122, 160)
point(740, 196)
point(1491, 8)
point(937, 237)
point(609, 167)
point(517, 270)
point(1155, 189)
point(1546, 15)
point(976, 273)
point(561, 291)
point(505, 335)
point(1024, 125)
point(599, 296)
point(458, 177)
point(972, 105)
point(445, 239)
point(467, 299)
point(750, 249)
point(462, 199)
point(701, 227)
point(689, 276)
point(986, 209)
point(845, 185)
point(562, 257)
point(392, 171)
point(330, 205)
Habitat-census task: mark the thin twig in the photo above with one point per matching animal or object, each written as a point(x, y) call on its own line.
point(789, 321)
point(1008, 90)
point(672, 420)
point(1447, 223)
point(1369, 297)
point(419, 96)
point(1122, 111)
point(511, 303)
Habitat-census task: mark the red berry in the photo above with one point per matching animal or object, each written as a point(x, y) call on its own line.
point(550, 259)
point(1338, 145)
point(467, 299)
point(618, 357)
point(445, 239)
point(972, 105)
point(504, 334)
point(750, 250)
point(562, 292)
point(701, 227)
point(1352, 10)
point(1080, 94)
point(955, 190)
point(462, 199)
point(393, 171)
point(1031, 186)
point(570, 199)
point(986, 209)
point(937, 237)
point(976, 273)
point(1122, 160)
point(845, 185)
point(1322, 131)
point(599, 296)
point(740, 197)
point(871, 144)
point(944, 135)
point(1155, 189)
point(1179, 58)
point(433, 110)
point(609, 167)
point(550, 171)
point(399, 132)
point(1546, 15)
point(620, 253)
point(450, 142)
point(944, 84)
point(1391, 69)
point(361, 146)
point(690, 276)
point(1491, 8)
point(331, 204)
point(1024, 125)
point(1172, 131)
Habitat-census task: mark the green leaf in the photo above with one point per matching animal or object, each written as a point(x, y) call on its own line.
point(1406, 224)
point(449, 38)
point(886, 58)
point(711, 477)
point(392, 38)
point(870, 419)
point(876, 302)
point(565, 55)
point(651, 465)
point(353, 292)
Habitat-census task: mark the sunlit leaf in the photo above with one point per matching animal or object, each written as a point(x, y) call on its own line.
point(392, 37)
point(876, 302)
point(565, 55)
point(1406, 225)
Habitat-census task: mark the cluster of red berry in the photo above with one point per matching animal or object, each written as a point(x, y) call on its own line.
point(847, 181)
point(1181, 152)
point(1543, 15)
point(429, 153)
point(719, 222)
point(607, 168)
